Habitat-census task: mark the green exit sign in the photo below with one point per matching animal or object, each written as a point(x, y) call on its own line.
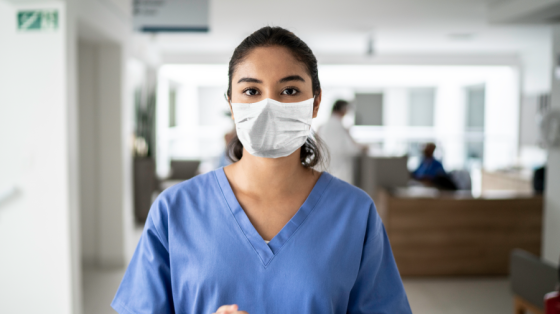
point(37, 20)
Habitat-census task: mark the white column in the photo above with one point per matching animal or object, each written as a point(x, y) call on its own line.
point(103, 154)
point(110, 144)
point(551, 232)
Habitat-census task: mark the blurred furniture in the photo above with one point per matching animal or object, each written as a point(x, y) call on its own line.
point(462, 179)
point(539, 180)
point(145, 185)
point(373, 173)
point(181, 170)
point(531, 278)
point(507, 180)
point(434, 233)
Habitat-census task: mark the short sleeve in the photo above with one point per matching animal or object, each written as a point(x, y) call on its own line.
point(378, 287)
point(146, 285)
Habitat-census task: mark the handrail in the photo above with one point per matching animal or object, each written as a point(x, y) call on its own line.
point(6, 193)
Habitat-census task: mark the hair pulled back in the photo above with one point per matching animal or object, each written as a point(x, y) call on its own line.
point(339, 105)
point(312, 152)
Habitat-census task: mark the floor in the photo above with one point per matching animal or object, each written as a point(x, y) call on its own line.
point(460, 295)
point(426, 296)
point(99, 289)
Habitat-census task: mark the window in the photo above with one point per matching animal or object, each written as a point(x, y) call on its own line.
point(369, 109)
point(475, 108)
point(474, 125)
point(421, 107)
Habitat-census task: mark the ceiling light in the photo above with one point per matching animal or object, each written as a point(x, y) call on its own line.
point(461, 36)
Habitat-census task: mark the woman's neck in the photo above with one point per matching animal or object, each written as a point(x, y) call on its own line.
point(269, 176)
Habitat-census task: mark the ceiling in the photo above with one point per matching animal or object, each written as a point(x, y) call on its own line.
point(340, 31)
point(344, 27)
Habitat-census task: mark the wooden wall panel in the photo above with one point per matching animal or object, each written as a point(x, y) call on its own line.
point(460, 236)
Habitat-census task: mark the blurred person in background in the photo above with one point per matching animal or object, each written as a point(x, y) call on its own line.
point(429, 167)
point(431, 171)
point(268, 233)
point(341, 145)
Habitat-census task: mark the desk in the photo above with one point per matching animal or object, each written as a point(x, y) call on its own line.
point(455, 234)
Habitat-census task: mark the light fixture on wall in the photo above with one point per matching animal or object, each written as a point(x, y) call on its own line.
point(557, 68)
point(7, 193)
point(550, 129)
point(370, 52)
point(461, 36)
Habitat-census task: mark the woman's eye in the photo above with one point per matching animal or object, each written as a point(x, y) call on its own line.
point(250, 92)
point(290, 91)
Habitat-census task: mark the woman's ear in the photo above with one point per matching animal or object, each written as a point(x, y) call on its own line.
point(229, 104)
point(317, 103)
point(231, 110)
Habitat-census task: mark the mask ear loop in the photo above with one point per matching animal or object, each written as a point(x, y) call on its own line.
point(229, 103)
point(227, 98)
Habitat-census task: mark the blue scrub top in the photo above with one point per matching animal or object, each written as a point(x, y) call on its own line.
point(429, 168)
point(199, 251)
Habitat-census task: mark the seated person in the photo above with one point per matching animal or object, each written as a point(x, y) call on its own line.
point(431, 172)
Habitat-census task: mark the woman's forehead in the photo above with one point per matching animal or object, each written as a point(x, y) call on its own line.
point(270, 63)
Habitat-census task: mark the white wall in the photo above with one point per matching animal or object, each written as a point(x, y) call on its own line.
point(37, 269)
point(501, 118)
point(551, 233)
point(40, 128)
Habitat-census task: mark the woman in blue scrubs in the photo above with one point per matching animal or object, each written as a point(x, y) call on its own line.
point(268, 233)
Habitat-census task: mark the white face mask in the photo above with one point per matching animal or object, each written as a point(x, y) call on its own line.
point(273, 129)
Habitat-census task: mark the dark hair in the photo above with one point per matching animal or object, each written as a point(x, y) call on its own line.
point(339, 105)
point(312, 152)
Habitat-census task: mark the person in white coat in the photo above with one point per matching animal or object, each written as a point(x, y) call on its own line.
point(342, 148)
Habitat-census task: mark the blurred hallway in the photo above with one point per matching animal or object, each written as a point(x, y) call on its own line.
point(106, 103)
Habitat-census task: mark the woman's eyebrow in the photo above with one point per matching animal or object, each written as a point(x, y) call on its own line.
point(249, 80)
point(291, 78)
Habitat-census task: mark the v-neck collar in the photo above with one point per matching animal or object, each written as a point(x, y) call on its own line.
point(266, 252)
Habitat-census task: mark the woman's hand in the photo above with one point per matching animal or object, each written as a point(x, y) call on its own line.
point(229, 309)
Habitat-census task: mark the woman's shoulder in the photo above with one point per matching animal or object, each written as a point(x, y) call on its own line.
point(189, 194)
point(340, 189)
point(199, 187)
point(349, 203)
